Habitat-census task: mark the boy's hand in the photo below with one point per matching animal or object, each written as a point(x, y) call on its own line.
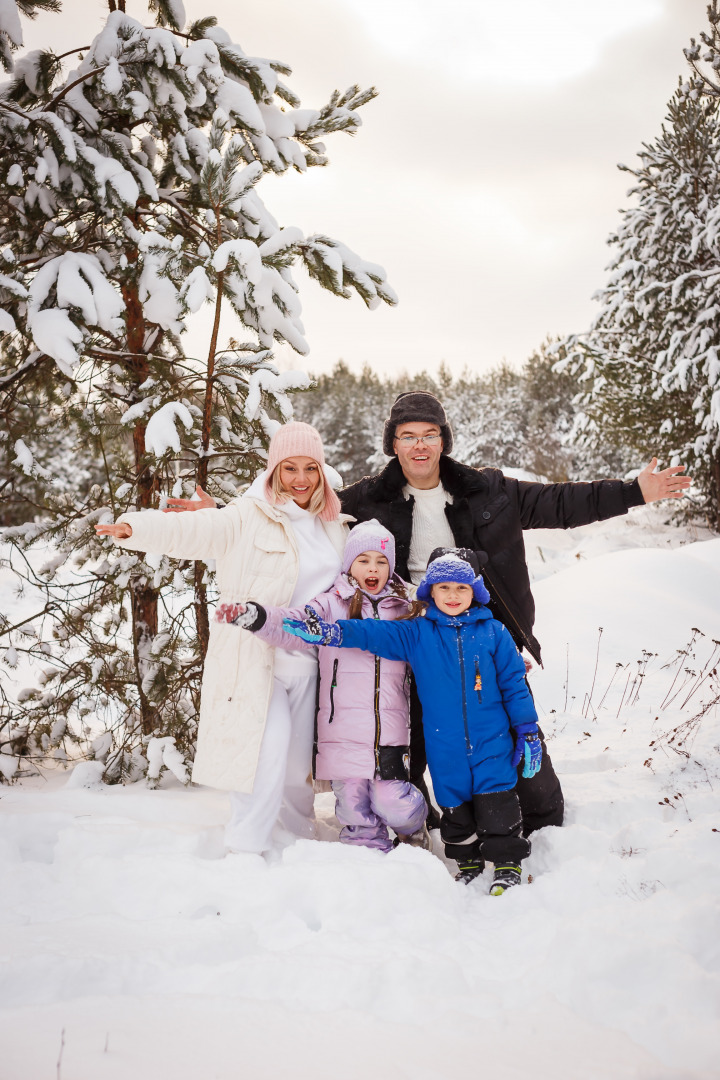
point(313, 629)
point(528, 746)
point(244, 615)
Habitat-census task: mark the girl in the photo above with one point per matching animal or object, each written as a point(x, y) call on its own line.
point(478, 715)
point(363, 716)
point(279, 543)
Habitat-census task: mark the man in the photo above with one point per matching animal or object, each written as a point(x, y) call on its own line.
point(428, 500)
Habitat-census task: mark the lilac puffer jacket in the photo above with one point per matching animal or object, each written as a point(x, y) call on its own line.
point(363, 700)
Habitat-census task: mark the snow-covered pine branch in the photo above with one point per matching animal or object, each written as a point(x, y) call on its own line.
point(650, 362)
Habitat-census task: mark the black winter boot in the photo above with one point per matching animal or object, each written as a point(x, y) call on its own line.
point(504, 878)
point(468, 870)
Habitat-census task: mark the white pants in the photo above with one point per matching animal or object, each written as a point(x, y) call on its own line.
point(282, 793)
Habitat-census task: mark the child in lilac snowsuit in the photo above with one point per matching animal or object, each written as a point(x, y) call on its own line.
point(362, 741)
point(479, 719)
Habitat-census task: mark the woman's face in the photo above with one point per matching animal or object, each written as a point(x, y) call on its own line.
point(371, 571)
point(300, 477)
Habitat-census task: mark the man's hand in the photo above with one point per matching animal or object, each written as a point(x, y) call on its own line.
point(122, 531)
point(200, 501)
point(667, 484)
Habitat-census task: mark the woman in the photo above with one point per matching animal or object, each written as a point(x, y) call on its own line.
point(280, 543)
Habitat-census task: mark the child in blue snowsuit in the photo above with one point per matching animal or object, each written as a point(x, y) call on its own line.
point(478, 714)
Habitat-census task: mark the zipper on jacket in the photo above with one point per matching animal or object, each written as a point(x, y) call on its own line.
point(478, 681)
point(468, 744)
point(376, 699)
point(333, 684)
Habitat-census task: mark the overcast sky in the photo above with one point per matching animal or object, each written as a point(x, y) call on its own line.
point(484, 177)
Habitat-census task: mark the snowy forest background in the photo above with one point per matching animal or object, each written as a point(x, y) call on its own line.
point(130, 197)
point(134, 197)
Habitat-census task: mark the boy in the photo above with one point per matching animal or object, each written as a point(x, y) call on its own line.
point(478, 714)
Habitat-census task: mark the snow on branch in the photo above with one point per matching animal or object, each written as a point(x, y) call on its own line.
point(161, 434)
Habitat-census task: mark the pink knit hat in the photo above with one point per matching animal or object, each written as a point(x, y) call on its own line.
point(369, 536)
point(300, 440)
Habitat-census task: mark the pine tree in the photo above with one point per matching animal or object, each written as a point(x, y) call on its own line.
point(130, 201)
point(651, 360)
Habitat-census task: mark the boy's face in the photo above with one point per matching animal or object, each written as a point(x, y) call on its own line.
point(452, 597)
point(371, 570)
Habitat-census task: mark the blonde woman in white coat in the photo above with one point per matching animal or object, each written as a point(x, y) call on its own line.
point(280, 543)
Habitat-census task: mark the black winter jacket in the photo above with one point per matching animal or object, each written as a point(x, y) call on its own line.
point(488, 514)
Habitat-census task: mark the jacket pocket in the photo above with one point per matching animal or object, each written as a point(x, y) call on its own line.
point(486, 513)
point(333, 684)
point(393, 762)
point(273, 545)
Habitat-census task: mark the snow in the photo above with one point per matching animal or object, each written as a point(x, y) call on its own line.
point(81, 283)
point(161, 434)
point(133, 945)
point(55, 334)
point(24, 458)
point(10, 21)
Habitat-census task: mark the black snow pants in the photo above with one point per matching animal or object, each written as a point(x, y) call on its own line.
point(489, 828)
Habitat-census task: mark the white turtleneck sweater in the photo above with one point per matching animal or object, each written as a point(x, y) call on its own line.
point(430, 527)
point(318, 566)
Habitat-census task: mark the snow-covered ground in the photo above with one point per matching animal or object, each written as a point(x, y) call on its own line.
point(132, 946)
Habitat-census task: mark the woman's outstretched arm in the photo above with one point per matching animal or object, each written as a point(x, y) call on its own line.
point(203, 535)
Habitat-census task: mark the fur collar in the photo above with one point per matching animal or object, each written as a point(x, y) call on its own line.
point(457, 479)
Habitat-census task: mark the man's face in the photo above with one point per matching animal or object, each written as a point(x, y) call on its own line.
point(419, 461)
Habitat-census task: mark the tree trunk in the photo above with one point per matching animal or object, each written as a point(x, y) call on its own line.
point(715, 492)
point(202, 621)
point(144, 597)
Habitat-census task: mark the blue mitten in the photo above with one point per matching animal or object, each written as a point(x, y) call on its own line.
point(313, 629)
point(528, 746)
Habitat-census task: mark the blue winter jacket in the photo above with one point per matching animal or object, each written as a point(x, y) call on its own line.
point(471, 682)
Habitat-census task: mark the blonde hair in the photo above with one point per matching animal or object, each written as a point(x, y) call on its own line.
point(317, 499)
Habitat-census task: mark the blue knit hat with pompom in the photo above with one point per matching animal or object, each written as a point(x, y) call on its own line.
point(452, 568)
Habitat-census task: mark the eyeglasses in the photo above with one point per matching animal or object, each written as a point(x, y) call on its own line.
point(410, 440)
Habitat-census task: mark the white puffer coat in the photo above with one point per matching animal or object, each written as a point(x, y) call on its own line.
point(256, 559)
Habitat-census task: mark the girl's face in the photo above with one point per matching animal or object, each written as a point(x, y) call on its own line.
point(371, 570)
point(452, 597)
point(300, 477)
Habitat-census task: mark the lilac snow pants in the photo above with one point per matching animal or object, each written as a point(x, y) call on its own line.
point(367, 807)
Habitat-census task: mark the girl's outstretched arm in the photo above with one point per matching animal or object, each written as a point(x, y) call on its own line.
point(392, 639)
point(267, 623)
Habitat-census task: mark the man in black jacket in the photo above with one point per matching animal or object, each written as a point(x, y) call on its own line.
point(428, 500)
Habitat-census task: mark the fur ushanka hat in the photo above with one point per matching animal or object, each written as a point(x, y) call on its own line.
point(415, 407)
